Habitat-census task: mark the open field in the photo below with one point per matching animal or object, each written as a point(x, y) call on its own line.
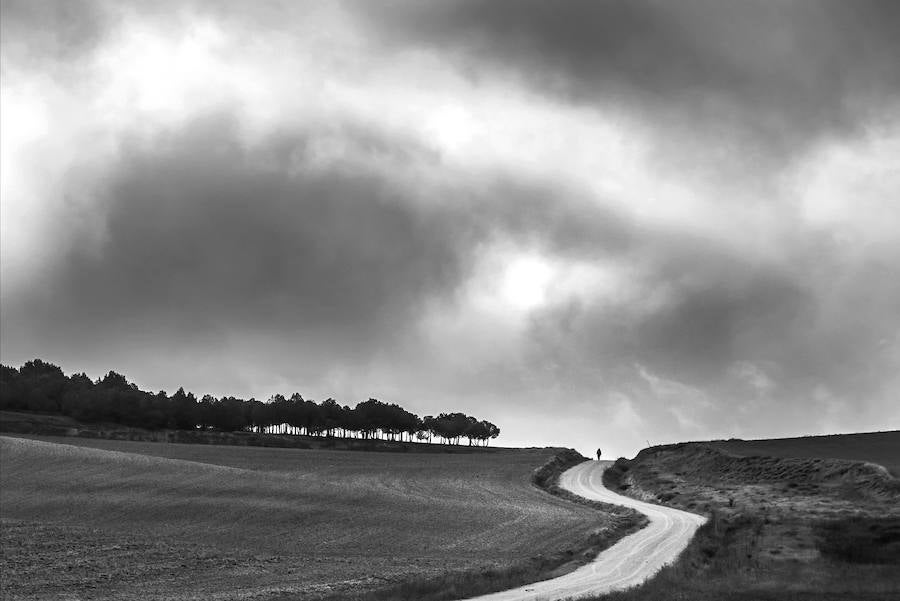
point(128, 520)
point(877, 447)
point(780, 527)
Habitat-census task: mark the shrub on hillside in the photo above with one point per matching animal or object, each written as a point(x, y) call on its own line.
point(860, 539)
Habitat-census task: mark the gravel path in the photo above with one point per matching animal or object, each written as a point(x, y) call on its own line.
point(627, 563)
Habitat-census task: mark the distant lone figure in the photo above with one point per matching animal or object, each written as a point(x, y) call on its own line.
point(598, 453)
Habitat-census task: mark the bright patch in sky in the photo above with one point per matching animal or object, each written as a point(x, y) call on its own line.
point(525, 282)
point(451, 127)
point(170, 73)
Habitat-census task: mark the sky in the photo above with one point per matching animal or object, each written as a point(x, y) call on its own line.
point(604, 223)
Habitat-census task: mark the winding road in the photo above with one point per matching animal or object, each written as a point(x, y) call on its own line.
point(627, 563)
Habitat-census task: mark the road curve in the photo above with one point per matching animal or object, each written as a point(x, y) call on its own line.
point(627, 563)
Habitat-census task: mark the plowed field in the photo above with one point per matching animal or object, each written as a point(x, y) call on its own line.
point(111, 519)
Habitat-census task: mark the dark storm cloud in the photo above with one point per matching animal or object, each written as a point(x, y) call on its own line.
point(771, 71)
point(202, 235)
point(549, 215)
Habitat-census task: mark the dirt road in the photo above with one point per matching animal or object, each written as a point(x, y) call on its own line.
point(627, 563)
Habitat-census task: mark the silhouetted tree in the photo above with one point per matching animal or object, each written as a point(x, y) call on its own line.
point(43, 387)
point(12, 395)
point(184, 413)
point(260, 415)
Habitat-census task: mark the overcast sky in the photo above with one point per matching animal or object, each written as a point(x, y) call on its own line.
point(595, 223)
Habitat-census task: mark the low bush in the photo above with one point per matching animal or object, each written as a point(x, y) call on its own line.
point(860, 540)
point(548, 474)
point(614, 475)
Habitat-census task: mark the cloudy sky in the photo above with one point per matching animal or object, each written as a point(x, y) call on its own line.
point(591, 222)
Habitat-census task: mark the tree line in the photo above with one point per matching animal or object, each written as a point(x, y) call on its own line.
point(40, 386)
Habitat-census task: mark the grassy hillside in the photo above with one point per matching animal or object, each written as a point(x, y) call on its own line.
point(882, 448)
point(147, 520)
point(781, 528)
point(877, 447)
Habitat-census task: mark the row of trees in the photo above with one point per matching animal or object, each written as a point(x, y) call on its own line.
point(43, 387)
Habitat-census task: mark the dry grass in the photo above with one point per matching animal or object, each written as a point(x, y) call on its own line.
point(189, 521)
point(781, 527)
point(731, 560)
